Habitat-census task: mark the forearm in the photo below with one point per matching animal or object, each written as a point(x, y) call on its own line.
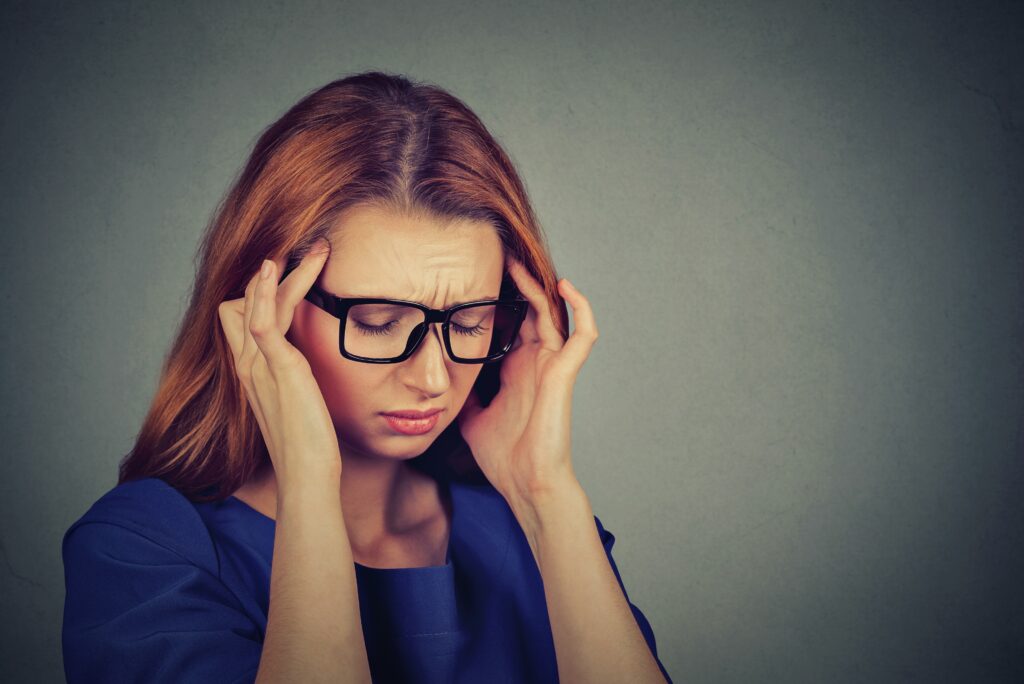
point(596, 636)
point(314, 632)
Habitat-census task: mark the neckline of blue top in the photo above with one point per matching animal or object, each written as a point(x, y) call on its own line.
point(448, 489)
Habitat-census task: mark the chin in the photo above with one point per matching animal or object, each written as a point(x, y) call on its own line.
point(399, 447)
point(403, 451)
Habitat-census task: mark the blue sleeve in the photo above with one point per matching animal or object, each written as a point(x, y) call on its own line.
point(608, 539)
point(137, 611)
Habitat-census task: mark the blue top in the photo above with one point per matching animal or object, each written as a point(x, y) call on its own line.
point(161, 589)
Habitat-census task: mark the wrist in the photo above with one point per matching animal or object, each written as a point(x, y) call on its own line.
point(544, 508)
point(321, 490)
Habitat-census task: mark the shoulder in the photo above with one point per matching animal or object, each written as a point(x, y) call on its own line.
point(152, 509)
point(144, 599)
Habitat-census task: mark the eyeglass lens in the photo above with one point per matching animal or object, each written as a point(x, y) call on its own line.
point(384, 331)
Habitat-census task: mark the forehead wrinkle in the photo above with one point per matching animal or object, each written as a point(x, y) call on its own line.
point(440, 283)
point(434, 268)
point(443, 287)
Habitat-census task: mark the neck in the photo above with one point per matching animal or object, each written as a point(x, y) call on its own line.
point(381, 498)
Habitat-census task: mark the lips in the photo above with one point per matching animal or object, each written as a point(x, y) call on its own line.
point(412, 415)
point(413, 426)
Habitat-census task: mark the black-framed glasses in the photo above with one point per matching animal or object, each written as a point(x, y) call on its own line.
point(378, 330)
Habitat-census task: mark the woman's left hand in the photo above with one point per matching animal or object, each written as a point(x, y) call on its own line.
point(521, 441)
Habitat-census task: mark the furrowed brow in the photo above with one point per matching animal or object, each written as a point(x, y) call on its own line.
point(404, 299)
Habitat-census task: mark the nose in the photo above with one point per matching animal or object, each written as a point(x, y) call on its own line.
point(427, 369)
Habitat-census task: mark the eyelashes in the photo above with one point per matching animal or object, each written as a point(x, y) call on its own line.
point(385, 329)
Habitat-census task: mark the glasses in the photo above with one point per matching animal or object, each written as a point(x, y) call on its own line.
point(377, 330)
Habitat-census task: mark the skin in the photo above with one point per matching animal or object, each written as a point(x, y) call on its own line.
point(521, 442)
point(395, 516)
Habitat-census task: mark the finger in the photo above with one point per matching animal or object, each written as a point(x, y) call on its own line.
point(232, 314)
point(528, 329)
point(577, 347)
point(249, 346)
point(543, 325)
point(296, 285)
point(263, 322)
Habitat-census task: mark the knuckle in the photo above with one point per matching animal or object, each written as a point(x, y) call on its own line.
point(258, 329)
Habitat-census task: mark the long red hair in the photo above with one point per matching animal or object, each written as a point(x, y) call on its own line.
point(372, 137)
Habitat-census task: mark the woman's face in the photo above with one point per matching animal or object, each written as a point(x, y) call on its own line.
point(378, 253)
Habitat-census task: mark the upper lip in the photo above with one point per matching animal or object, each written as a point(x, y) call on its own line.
point(413, 414)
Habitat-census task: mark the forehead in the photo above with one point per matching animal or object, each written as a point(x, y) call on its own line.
point(381, 253)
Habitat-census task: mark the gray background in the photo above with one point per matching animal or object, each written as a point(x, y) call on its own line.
point(799, 225)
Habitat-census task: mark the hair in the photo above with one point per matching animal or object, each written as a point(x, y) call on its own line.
point(373, 138)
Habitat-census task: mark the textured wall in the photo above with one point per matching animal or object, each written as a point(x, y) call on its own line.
point(799, 224)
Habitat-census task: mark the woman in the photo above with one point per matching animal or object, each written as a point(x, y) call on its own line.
point(370, 393)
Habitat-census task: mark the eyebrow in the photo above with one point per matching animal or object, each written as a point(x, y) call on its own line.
point(403, 299)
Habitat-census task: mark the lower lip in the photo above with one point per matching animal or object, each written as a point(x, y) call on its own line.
point(408, 426)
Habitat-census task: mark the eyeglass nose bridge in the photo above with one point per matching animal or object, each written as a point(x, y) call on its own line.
point(420, 332)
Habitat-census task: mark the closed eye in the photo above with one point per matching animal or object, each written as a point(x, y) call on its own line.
point(375, 329)
point(475, 331)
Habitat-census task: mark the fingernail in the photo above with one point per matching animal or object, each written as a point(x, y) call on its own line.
point(265, 270)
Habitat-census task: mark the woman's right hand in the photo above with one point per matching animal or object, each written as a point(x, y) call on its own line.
point(278, 380)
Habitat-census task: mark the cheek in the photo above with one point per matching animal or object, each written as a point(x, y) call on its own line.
point(349, 388)
point(463, 378)
point(344, 384)
point(348, 393)
point(312, 334)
